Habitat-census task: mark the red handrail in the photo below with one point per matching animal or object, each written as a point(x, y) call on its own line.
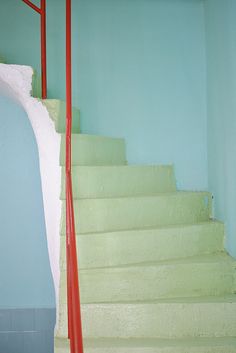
point(42, 12)
point(73, 296)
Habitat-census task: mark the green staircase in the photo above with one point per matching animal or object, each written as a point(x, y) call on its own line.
point(154, 276)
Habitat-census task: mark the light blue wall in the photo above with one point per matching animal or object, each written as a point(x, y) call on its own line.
point(139, 72)
point(221, 74)
point(25, 277)
point(142, 77)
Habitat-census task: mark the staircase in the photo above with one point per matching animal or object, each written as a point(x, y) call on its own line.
point(154, 276)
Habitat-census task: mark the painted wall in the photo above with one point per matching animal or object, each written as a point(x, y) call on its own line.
point(139, 73)
point(25, 277)
point(221, 74)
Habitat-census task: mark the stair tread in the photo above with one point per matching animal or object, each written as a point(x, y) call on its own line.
point(150, 342)
point(153, 195)
point(128, 166)
point(166, 227)
point(226, 299)
point(199, 259)
point(94, 137)
point(229, 298)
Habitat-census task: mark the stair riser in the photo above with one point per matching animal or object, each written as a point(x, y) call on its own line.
point(94, 150)
point(101, 215)
point(161, 320)
point(150, 282)
point(102, 182)
point(127, 247)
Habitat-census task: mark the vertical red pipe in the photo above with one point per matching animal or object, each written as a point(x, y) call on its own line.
point(74, 310)
point(43, 49)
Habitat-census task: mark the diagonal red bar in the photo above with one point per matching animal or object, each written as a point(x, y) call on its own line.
point(74, 309)
point(33, 6)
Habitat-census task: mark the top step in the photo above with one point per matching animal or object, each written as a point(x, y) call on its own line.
point(2, 60)
point(57, 112)
point(36, 85)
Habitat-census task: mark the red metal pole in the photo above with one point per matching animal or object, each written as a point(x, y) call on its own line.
point(69, 288)
point(43, 49)
point(42, 12)
point(75, 311)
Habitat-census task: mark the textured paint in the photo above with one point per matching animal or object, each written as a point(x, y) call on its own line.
point(197, 276)
point(115, 181)
point(179, 295)
point(95, 150)
point(145, 245)
point(221, 59)
point(101, 215)
point(176, 296)
point(196, 317)
point(139, 73)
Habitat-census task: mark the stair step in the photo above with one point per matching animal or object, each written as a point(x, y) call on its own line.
point(2, 60)
point(95, 150)
point(195, 276)
point(103, 215)
point(175, 318)
point(36, 85)
point(134, 246)
point(116, 181)
point(148, 345)
point(57, 112)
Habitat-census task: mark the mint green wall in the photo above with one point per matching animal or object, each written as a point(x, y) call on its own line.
point(221, 74)
point(139, 72)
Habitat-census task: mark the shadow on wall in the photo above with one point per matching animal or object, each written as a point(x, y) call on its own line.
point(26, 280)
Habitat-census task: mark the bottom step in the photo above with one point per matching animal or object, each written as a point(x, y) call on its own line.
point(165, 319)
point(202, 345)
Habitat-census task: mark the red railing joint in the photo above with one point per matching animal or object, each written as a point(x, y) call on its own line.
point(42, 12)
point(33, 6)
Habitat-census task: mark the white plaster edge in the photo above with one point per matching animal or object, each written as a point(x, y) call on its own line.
point(16, 81)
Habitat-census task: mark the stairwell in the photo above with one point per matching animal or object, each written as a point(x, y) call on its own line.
point(154, 276)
